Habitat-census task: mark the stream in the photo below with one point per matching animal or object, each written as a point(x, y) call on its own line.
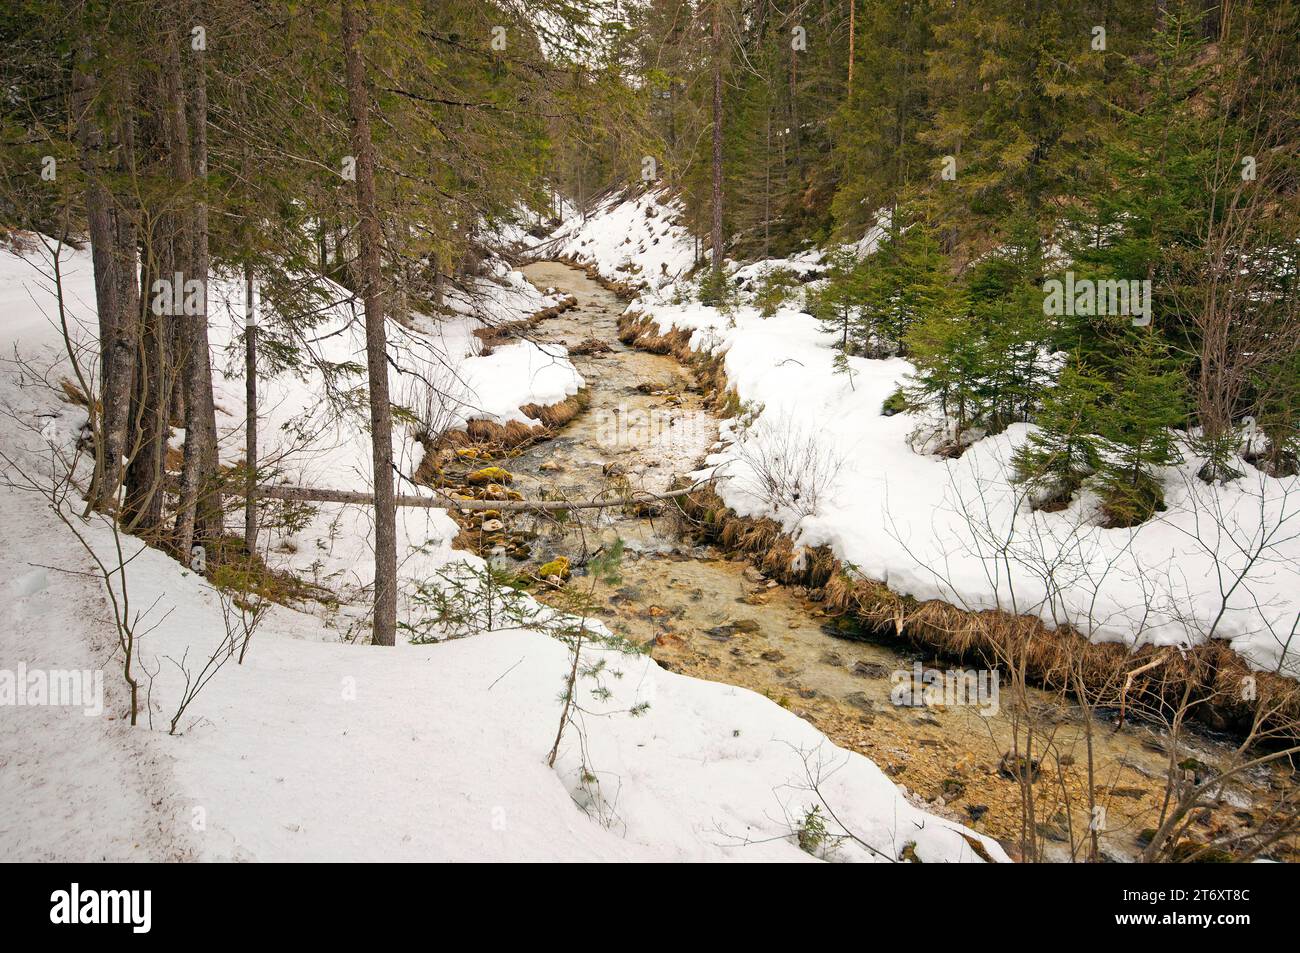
point(706, 614)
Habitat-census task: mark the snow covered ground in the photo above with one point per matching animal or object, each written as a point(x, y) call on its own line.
point(317, 748)
point(636, 241)
point(1220, 561)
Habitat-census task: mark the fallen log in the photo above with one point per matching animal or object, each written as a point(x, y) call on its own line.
point(441, 501)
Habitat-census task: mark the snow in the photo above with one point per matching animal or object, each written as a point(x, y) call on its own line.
point(318, 748)
point(637, 240)
point(1220, 561)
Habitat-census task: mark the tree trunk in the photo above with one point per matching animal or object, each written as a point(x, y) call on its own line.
point(103, 238)
point(250, 412)
point(200, 517)
point(852, 30)
point(717, 143)
point(182, 326)
point(123, 348)
point(142, 508)
point(151, 394)
point(381, 413)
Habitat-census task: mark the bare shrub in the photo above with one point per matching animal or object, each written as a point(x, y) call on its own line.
point(787, 467)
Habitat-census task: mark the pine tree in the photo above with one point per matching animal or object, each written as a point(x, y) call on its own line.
point(1015, 83)
point(907, 280)
point(874, 132)
point(1005, 296)
point(949, 355)
point(1137, 428)
point(1277, 419)
point(1064, 449)
point(838, 303)
point(1142, 199)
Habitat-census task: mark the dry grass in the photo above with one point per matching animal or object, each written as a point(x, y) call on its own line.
point(73, 393)
point(497, 334)
point(499, 437)
point(636, 330)
point(553, 416)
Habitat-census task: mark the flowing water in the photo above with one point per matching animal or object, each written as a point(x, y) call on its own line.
point(708, 615)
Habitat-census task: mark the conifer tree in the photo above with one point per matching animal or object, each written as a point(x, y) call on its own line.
point(950, 358)
point(1064, 449)
point(838, 303)
point(1137, 429)
point(875, 131)
point(907, 280)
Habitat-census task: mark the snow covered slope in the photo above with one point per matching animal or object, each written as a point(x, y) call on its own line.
point(633, 239)
point(316, 748)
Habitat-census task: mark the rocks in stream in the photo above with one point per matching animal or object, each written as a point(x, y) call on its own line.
point(724, 632)
point(557, 568)
point(860, 701)
point(952, 789)
point(489, 475)
point(870, 669)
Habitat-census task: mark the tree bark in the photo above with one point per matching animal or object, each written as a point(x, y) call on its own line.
point(250, 413)
point(717, 142)
point(198, 514)
point(142, 508)
point(103, 238)
point(381, 413)
point(181, 329)
point(124, 354)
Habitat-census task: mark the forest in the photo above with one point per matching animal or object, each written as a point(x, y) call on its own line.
point(785, 355)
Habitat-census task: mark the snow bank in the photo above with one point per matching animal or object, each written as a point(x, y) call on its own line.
point(1219, 560)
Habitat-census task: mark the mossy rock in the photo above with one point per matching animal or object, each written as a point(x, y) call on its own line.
point(497, 492)
point(559, 566)
point(490, 475)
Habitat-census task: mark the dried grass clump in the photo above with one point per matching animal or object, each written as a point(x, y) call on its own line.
point(499, 437)
point(494, 335)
